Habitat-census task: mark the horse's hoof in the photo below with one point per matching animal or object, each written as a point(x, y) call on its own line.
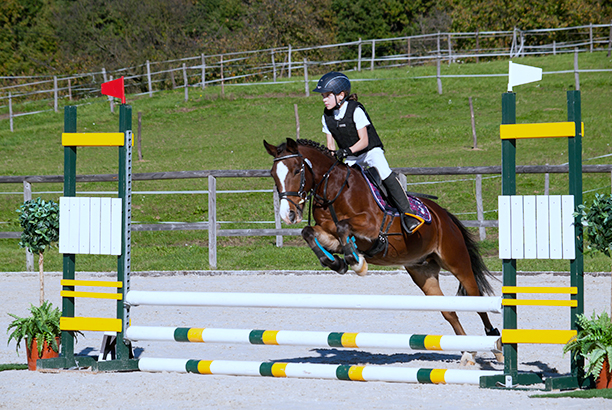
point(499, 356)
point(468, 359)
point(361, 268)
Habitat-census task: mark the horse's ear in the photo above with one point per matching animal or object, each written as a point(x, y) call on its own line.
point(292, 146)
point(271, 149)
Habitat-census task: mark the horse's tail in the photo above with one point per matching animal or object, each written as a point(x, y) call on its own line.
point(481, 272)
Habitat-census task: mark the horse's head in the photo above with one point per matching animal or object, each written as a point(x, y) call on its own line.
point(293, 177)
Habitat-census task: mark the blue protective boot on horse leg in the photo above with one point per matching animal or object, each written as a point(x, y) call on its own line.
point(398, 197)
point(326, 258)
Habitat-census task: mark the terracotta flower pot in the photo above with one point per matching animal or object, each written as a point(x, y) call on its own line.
point(47, 353)
point(604, 381)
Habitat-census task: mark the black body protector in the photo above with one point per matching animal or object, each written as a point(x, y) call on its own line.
point(344, 130)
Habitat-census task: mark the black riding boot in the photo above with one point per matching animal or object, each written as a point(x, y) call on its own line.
point(400, 200)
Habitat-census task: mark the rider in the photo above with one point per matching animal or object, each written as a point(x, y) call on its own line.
point(346, 122)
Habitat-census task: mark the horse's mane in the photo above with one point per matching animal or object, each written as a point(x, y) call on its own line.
point(322, 148)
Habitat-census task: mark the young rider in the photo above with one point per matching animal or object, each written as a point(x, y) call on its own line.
point(346, 122)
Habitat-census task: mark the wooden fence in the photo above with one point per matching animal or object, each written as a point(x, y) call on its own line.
point(278, 231)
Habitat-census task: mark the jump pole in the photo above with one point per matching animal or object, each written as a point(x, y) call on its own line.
point(315, 371)
point(313, 338)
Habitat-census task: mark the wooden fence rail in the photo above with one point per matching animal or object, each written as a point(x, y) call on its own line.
point(278, 231)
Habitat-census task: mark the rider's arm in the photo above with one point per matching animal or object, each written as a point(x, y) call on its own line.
point(363, 140)
point(331, 143)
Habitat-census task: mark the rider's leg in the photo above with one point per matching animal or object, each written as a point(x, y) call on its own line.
point(400, 200)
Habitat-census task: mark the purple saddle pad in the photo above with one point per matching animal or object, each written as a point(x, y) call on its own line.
point(417, 206)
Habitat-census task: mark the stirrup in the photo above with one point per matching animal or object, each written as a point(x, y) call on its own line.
point(411, 223)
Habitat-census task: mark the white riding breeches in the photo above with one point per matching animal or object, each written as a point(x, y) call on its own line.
point(373, 158)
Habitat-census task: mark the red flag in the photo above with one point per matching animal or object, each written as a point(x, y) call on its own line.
point(114, 88)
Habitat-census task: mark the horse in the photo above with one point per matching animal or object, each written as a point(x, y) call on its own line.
point(349, 222)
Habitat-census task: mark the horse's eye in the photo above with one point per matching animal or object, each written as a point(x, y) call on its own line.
point(297, 171)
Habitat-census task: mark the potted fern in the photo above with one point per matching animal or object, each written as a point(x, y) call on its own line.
point(594, 343)
point(41, 331)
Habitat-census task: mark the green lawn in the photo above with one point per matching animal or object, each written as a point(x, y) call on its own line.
point(419, 128)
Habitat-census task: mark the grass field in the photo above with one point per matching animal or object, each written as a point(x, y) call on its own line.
point(419, 128)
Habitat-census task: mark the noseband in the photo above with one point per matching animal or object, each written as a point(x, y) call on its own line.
point(301, 193)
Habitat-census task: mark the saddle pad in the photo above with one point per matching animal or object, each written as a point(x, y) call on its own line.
point(417, 206)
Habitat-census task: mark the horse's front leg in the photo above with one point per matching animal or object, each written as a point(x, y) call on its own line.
point(323, 244)
point(351, 254)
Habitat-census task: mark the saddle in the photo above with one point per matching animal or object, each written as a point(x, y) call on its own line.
point(378, 190)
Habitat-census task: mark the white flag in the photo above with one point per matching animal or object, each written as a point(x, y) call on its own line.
point(522, 74)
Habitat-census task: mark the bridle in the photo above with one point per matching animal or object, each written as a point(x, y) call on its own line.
point(301, 193)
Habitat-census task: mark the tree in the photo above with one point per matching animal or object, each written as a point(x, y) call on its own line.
point(597, 222)
point(40, 222)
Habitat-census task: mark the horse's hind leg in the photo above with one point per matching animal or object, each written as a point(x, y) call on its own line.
point(426, 277)
point(321, 248)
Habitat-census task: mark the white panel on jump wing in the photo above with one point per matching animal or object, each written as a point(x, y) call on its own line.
point(105, 226)
point(64, 227)
point(567, 210)
point(73, 235)
point(83, 225)
point(505, 239)
point(543, 231)
point(556, 245)
point(116, 211)
point(529, 218)
point(516, 223)
point(94, 226)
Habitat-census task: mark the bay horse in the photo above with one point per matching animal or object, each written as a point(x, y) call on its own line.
point(349, 222)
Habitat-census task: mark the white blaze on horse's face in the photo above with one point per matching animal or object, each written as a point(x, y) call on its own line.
point(285, 212)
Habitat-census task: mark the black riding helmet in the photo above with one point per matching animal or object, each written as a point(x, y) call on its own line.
point(334, 82)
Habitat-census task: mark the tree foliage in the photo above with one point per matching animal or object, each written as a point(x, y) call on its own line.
point(46, 36)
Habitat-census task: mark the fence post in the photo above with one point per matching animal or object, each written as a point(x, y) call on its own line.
point(521, 50)
point(306, 78)
point(373, 55)
point(590, 37)
point(409, 53)
point(273, 66)
point(277, 219)
point(172, 79)
point(111, 100)
point(55, 92)
point(289, 62)
point(69, 89)
point(185, 82)
point(479, 208)
point(359, 53)
point(450, 49)
point(222, 77)
point(513, 46)
point(610, 40)
point(438, 74)
point(475, 146)
point(576, 74)
point(203, 72)
point(139, 139)
point(546, 183)
point(554, 47)
point(149, 79)
point(477, 45)
point(212, 222)
point(297, 121)
point(11, 111)
point(27, 196)
point(438, 44)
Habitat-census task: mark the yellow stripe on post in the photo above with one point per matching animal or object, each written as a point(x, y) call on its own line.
point(539, 302)
point(95, 324)
point(437, 376)
point(279, 369)
point(349, 340)
point(572, 290)
point(97, 283)
point(537, 336)
point(540, 130)
point(355, 373)
point(93, 139)
point(195, 334)
point(93, 295)
point(204, 366)
point(269, 337)
point(432, 342)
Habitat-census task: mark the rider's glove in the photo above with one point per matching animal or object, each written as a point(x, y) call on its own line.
point(343, 153)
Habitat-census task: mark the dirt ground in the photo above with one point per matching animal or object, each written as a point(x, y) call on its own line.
point(85, 389)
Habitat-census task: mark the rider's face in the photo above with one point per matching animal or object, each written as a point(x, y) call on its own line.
point(330, 99)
